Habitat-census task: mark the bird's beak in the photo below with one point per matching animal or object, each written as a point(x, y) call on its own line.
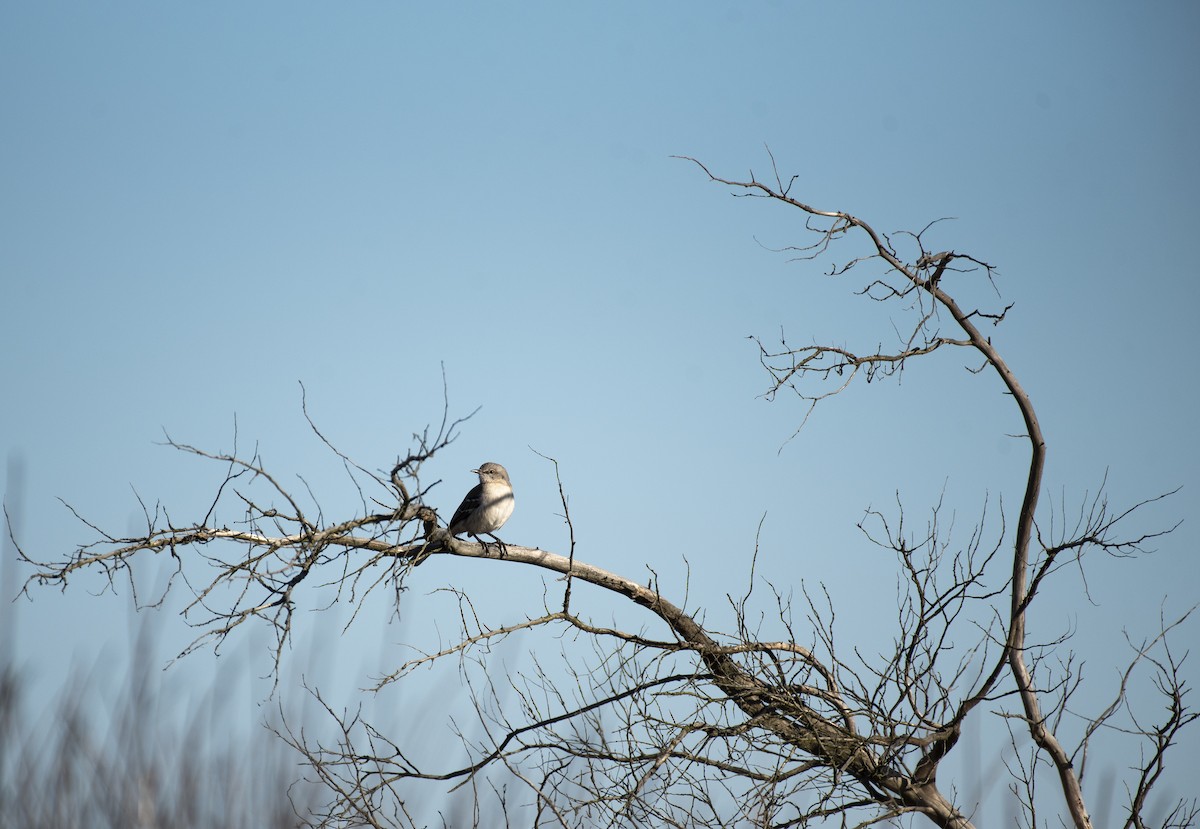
point(476, 471)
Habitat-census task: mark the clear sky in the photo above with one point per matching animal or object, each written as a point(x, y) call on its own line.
point(204, 205)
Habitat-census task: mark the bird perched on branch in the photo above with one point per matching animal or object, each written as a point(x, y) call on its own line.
point(486, 507)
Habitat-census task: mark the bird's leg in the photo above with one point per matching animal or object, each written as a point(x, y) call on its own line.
point(503, 547)
point(487, 548)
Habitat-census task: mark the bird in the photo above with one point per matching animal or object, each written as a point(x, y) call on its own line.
point(486, 507)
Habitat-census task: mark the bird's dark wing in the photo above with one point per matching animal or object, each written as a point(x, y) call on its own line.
point(468, 506)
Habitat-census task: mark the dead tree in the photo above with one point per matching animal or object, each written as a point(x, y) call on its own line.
point(672, 722)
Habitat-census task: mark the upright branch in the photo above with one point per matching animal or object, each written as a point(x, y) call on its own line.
point(922, 279)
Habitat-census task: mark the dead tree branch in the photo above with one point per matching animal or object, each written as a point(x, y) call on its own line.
point(672, 721)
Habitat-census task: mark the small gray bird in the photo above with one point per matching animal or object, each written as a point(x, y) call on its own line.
point(486, 507)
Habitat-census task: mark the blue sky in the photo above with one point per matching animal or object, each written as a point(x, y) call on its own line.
point(204, 205)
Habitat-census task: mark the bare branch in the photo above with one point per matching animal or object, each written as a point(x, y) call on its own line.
point(672, 721)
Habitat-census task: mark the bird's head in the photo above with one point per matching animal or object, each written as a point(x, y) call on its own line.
point(491, 472)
